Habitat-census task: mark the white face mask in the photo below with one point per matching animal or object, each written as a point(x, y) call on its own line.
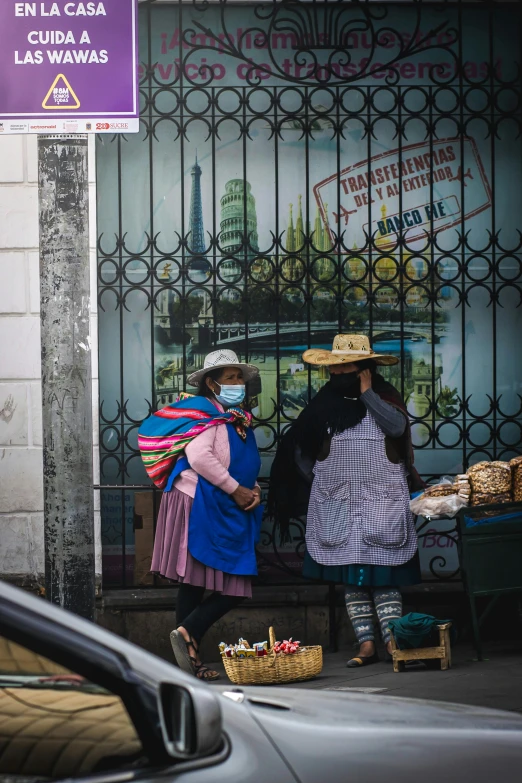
point(230, 394)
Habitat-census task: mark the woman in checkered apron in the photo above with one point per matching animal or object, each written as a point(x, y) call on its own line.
point(353, 443)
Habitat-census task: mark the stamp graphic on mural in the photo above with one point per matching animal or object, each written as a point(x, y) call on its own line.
point(418, 190)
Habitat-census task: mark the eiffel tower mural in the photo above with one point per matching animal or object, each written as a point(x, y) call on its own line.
point(196, 238)
point(200, 269)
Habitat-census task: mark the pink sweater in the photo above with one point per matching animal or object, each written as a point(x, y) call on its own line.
point(209, 456)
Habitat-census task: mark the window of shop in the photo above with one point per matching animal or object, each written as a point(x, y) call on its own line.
point(306, 169)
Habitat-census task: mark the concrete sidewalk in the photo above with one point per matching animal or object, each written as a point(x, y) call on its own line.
point(495, 682)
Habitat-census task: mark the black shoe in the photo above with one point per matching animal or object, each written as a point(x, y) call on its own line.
point(361, 660)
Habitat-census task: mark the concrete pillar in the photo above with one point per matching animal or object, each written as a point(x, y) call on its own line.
point(66, 372)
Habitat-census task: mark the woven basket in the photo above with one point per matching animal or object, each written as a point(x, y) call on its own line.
point(275, 669)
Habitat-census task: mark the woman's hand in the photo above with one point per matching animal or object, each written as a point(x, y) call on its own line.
point(244, 497)
point(257, 501)
point(365, 378)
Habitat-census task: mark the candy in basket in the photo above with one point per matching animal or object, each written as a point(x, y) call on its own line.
point(270, 664)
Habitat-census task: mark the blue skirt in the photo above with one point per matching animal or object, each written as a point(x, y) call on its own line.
point(364, 575)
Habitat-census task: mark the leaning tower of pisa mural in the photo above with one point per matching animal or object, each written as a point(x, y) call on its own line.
point(238, 239)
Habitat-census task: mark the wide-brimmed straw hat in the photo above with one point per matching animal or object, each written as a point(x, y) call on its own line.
point(221, 359)
point(347, 348)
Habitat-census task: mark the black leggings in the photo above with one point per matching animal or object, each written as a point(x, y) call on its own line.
point(197, 615)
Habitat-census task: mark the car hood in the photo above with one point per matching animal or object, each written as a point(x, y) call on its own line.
point(349, 736)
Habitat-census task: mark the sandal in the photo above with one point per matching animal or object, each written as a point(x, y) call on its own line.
point(361, 660)
point(181, 650)
point(202, 672)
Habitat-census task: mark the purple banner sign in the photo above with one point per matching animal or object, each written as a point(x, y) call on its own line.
point(69, 67)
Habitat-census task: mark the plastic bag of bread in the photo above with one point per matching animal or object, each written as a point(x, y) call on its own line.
point(444, 488)
point(490, 478)
point(487, 498)
point(438, 501)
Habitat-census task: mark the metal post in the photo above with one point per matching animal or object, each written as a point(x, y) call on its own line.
point(63, 188)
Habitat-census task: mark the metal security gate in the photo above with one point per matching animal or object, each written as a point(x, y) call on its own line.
point(303, 169)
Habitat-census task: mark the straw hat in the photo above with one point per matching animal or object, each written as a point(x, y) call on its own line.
point(221, 359)
point(347, 348)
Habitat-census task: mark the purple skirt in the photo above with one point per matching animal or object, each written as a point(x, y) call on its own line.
point(172, 559)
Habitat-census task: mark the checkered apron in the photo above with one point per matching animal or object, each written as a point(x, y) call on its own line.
point(359, 508)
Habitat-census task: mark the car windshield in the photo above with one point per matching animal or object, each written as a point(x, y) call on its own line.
point(56, 723)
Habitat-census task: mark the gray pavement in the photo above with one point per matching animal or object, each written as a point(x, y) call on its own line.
point(495, 682)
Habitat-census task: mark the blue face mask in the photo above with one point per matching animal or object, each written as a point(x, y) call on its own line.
point(231, 395)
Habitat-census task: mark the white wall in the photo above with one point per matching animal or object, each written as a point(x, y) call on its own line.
point(21, 486)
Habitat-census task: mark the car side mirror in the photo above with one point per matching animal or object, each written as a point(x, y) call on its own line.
point(190, 720)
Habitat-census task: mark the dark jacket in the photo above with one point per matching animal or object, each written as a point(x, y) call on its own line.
point(291, 477)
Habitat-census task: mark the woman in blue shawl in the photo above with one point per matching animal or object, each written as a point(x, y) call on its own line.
point(202, 452)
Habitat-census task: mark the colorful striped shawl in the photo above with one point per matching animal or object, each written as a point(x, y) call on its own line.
point(164, 435)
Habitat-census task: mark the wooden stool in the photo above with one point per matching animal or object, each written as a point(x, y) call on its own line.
point(442, 652)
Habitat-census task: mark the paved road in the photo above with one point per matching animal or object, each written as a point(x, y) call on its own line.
point(495, 682)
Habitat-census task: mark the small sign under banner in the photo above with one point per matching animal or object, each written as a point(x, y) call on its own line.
point(69, 67)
